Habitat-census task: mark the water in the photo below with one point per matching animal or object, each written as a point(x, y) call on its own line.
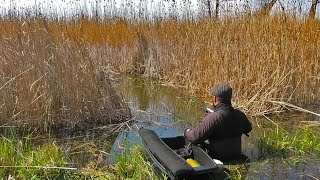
point(166, 111)
point(155, 107)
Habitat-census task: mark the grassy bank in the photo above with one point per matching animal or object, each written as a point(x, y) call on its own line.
point(22, 158)
point(282, 153)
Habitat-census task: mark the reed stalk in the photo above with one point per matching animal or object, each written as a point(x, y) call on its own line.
point(49, 83)
point(263, 59)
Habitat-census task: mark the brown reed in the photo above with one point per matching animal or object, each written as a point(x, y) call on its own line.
point(271, 58)
point(52, 83)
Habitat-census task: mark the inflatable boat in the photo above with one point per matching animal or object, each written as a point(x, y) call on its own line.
point(177, 158)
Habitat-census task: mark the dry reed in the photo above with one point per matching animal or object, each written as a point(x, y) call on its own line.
point(272, 58)
point(53, 83)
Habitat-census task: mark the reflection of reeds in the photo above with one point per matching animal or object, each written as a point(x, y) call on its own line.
point(49, 82)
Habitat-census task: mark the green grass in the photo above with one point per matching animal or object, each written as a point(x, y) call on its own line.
point(300, 146)
point(303, 141)
point(21, 158)
point(291, 148)
point(237, 171)
point(134, 165)
point(18, 158)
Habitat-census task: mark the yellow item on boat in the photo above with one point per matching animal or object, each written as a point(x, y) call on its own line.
point(193, 163)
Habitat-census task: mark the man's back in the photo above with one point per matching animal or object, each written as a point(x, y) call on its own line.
point(228, 123)
point(223, 129)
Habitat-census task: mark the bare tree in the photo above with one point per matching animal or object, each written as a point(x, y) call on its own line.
point(313, 9)
point(217, 9)
point(266, 8)
point(209, 8)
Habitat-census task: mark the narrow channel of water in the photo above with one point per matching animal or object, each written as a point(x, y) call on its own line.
point(162, 109)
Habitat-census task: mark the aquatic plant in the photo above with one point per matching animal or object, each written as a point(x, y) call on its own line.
point(279, 142)
point(236, 171)
point(56, 71)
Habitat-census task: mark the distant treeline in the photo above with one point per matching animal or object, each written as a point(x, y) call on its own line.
point(156, 9)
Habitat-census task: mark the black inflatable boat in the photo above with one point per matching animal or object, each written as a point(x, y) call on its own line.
point(178, 159)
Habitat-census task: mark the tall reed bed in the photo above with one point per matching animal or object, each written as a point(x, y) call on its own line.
point(263, 59)
point(51, 82)
point(271, 58)
point(56, 70)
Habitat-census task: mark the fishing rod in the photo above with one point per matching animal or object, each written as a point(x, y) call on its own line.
point(195, 101)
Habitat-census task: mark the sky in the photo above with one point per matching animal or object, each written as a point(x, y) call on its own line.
point(139, 8)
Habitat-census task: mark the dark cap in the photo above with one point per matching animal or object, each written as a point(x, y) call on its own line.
point(223, 91)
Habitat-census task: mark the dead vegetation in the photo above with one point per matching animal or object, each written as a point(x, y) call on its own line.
point(53, 84)
point(54, 73)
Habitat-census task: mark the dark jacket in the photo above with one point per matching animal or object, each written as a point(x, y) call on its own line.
point(225, 122)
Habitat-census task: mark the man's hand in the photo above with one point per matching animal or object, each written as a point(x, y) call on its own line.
point(186, 130)
point(208, 110)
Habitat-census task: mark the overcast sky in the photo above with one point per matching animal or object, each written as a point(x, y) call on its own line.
point(138, 8)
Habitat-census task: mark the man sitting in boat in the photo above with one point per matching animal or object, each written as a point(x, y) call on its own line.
point(220, 131)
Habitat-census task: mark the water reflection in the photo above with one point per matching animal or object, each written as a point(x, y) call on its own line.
point(282, 169)
point(153, 107)
point(152, 103)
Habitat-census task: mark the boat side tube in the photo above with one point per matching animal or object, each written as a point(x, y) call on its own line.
point(170, 163)
point(163, 156)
